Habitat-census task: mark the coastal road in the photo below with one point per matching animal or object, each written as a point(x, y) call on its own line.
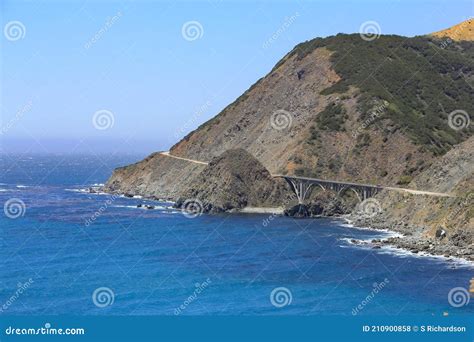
point(411, 191)
point(341, 184)
point(419, 192)
point(167, 153)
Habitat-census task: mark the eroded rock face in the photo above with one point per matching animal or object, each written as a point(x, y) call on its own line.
point(233, 181)
point(320, 205)
point(157, 176)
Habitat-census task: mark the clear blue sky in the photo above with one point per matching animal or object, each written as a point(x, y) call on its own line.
point(157, 84)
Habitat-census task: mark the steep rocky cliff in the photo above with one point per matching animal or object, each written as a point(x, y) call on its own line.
point(341, 107)
point(440, 225)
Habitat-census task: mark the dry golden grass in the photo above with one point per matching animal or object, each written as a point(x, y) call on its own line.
point(462, 31)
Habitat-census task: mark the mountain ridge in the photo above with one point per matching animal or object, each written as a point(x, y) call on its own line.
point(341, 108)
point(459, 32)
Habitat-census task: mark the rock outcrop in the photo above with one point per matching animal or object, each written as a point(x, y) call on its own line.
point(157, 176)
point(233, 181)
point(438, 225)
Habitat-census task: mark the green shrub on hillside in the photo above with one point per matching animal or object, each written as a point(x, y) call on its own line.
point(422, 82)
point(332, 117)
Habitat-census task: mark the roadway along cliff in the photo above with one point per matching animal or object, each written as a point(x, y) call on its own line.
point(333, 108)
point(388, 111)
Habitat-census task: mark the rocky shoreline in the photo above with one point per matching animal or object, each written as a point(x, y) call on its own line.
point(413, 239)
point(410, 237)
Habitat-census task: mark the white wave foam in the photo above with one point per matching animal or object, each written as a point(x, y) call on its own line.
point(387, 232)
point(77, 190)
point(404, 253)
point(86, 191)
point(159, 207)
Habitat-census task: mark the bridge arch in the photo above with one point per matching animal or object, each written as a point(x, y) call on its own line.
point(303, 186)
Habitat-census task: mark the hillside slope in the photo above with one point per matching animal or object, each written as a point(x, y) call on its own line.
point(233, 181)
point(336, 108)
point(459, 32)
point(423, 218)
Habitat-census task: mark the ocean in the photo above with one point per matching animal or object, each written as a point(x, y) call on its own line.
point(67, 251)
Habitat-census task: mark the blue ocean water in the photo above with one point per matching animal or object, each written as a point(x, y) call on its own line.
point(72, 252)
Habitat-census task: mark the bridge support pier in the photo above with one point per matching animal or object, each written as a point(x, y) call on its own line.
point(300, 188)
